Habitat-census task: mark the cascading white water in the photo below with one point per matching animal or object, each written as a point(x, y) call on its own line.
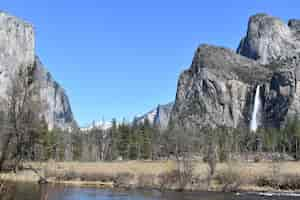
point(254, 122)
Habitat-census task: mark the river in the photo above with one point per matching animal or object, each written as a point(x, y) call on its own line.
point(48, 192)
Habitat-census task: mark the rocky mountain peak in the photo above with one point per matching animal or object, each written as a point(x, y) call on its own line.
point(224, 63)
point(220, 86)
point(5, 16)
point(268, 38)
point(214, 91)
point(158, 117)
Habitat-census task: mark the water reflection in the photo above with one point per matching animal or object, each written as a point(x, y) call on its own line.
point(58, 192)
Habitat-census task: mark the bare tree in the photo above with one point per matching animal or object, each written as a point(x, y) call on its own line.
point(22, 118)
point(183, 150)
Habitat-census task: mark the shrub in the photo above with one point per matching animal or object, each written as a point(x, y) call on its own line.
point(124, 179)
point(228, 176)
point(68, 176)
point(257, 159)
point(6, 191)
point(264, 181)
point(223, 156)
point(49, 173)
point(284, 182)
point(146, 180)
point(167, 179)
point(230, 179)
point(290, 182)
point(97, 177)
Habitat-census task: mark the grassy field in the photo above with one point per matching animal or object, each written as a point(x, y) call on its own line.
point(232, 176)
point(109, 168)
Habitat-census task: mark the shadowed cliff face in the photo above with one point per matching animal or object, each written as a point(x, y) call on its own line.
point(282, 94)
point(272, 42)
point(17, 49)
point(219, 87)
point(57, 110)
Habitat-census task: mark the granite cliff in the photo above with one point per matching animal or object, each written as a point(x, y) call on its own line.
point(17, 50)
point(158, 117)
point(269, 38)
point(219, 87)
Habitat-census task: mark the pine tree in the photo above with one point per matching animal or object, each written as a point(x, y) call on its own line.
point(146, 138)
point(115, 137)
point(50, 143)
point(77, 146)
point(134, 149)
point(124, 142)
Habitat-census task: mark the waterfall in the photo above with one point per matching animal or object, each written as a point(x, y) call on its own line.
point(257, 103)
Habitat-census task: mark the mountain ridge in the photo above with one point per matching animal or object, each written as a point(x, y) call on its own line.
point(218, 89)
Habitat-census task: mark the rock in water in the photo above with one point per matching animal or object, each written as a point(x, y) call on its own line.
point(17, 49)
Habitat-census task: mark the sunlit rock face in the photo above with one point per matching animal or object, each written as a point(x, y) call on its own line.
point(269, 38)
point(17, 50)
point(16, 47)
point(158, 117)
point(162, 117)
point(217, 90)
point(219, 87)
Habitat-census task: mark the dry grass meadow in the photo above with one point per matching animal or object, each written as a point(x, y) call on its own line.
point(249, 176)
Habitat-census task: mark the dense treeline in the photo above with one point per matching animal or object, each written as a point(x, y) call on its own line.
point(143, 141)
point(25, 136)
point(121, 141)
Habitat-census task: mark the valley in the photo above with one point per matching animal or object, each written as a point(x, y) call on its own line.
point(233, 127)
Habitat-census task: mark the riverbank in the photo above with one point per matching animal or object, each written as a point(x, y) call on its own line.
point(234, 176)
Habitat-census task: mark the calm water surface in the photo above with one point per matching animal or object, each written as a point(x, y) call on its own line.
point(47, 192)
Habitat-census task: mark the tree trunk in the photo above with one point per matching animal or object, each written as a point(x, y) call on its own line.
point(5, 151)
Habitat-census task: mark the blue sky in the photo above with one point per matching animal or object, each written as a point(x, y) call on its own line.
point(122, 58)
